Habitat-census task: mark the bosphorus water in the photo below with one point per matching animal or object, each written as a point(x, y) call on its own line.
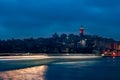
point(105, 68)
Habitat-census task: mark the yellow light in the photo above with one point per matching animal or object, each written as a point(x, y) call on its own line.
point(34, 73)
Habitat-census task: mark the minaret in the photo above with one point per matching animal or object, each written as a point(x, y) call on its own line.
point(81, 31)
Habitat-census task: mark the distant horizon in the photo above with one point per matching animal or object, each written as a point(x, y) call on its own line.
point(59, 36)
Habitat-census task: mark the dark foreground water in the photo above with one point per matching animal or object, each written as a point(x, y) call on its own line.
point(106, 68)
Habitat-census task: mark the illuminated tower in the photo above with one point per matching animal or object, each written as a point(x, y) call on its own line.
point(81, 31)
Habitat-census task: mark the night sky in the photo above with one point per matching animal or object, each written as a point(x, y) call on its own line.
point(42, 18)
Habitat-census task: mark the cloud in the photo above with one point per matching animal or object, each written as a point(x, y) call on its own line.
point(43, 17)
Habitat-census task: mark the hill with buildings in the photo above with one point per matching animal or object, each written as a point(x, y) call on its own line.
point(60, 44)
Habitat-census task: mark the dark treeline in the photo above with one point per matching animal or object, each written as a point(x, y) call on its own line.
point(56, 44)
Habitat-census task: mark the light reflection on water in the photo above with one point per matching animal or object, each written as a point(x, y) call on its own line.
point(98, 69)
point(34, 73)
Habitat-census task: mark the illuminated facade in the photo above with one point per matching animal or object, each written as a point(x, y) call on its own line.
point(81, 31)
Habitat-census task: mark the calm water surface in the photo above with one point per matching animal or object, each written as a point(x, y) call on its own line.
point(107, 68)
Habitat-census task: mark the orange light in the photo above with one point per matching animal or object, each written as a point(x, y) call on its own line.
point(113, 54)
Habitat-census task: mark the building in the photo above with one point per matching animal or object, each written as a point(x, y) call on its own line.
point(81, 31)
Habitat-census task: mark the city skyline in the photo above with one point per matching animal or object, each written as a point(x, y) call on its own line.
point(38, 18)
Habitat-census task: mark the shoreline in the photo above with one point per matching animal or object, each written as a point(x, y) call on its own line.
point(40, 57)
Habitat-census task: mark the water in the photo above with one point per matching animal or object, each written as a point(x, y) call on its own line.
point(106, 68)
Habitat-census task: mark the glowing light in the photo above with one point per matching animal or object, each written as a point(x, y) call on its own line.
point(34, 73)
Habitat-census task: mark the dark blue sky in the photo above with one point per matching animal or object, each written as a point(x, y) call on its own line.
point(42, 18)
